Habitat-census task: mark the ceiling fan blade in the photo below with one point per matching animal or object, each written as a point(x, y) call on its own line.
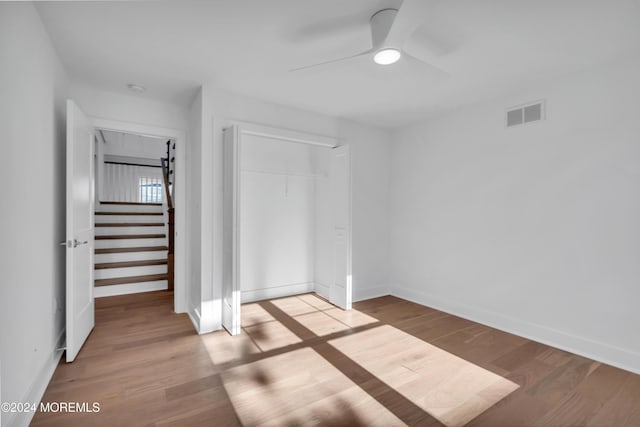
point(428, 67)
point(346, 58)
point(410, 16)
point(422, 53)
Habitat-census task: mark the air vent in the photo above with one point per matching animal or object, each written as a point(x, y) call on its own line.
point(526, 113)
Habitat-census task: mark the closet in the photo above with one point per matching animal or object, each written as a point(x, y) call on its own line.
point(287, 218)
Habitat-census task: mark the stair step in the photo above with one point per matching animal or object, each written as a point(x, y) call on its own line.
point(131, 207)
point(131, 279)
point(129, 256)
point(137, 249)
point(114, 273)
point(130, 224)
point(123, 213)
point(131, 236)
point(131, 203)
point(129, 288)
point(130, 263)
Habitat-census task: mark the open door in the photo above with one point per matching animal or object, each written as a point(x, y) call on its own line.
point(340, 183)
point(231, 232)
point(80, 233)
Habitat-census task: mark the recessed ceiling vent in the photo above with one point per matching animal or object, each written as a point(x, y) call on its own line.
point(526, 113)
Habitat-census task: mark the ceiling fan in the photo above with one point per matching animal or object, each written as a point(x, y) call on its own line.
point(390, 31)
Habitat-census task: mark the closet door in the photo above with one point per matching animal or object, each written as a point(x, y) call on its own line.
point(231, 231)
point(340, 182)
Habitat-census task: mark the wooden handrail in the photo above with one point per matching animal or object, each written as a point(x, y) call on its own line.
point(165, 174)
point(171, 223)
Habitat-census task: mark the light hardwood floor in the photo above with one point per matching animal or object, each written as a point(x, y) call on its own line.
point(301, 361)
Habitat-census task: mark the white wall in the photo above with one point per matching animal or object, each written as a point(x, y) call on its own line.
point(532, 229)
point(121, 183)
point(204, 312)
point(129, 108)
point(277, 218)
point(370, 170)
point(33, 85)
point(126, 144)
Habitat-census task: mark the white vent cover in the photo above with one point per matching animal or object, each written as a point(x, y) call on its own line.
point(526, 113)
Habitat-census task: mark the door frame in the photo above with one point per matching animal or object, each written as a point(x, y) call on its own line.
point(287, 135)
point(180, 270)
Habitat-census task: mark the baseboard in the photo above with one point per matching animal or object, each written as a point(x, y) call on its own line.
point(130, 288)
point(322, 290)
point(615, 356)
point(208, 318)
point(365, 294)
point(276, 292)
point(194, 315)
point(39, 386)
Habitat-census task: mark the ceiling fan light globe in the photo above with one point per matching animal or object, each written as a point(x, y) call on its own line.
point(387, 56)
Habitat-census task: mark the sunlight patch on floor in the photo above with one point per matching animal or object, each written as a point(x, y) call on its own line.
point(300, 387)
point(447, 387)
point(224, 348)
point(271, 335)
point(294, 306)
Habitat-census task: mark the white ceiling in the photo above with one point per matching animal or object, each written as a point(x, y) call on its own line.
point(248, 46)
point(126, 144)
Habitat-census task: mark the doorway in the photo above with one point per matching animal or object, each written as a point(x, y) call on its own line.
point(134, 213)
point(83, 158)
point(287, 218)
point(174, 153)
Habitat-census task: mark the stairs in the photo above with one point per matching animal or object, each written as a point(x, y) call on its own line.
point(131, 248)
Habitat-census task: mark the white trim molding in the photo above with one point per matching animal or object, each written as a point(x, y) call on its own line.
point(370, 293)
point(276, 292)
point(286, 134)
point(605, 353)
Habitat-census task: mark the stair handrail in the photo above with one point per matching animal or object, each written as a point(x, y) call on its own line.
point(165, 173)
point(171, 222)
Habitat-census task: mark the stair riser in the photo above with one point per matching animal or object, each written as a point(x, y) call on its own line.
point(110, 231)
point(130, 256)
point(128, 208)
point(129, 243)
point(132, 288)
point(130, 218)
point(109, 273)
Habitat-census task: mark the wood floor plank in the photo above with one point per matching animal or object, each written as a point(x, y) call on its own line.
point(301, 361)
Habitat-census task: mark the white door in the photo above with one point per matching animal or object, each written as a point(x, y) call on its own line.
point(340, 183)
point(80, 236)
point(231, 231)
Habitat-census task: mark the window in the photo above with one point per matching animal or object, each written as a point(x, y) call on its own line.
point(150, 189)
